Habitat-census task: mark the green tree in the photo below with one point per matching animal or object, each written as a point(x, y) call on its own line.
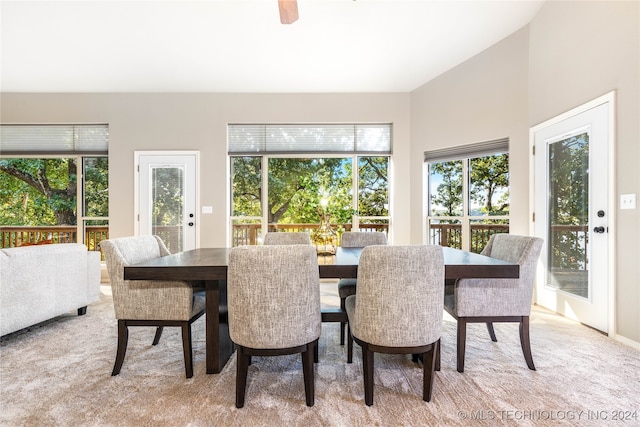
point(373, 186)
point(296, 187)
point(449, 191)
point(490, 174)
point(96, 186)
point(38, 191)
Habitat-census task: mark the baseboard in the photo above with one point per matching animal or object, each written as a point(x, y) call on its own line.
point(627, 341)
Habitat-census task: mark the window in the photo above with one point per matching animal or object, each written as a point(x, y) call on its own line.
point(468, 194)
point(54, 184)
point(286, 177)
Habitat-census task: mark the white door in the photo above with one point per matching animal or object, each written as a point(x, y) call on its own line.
point(573, 212)
point(167, 198)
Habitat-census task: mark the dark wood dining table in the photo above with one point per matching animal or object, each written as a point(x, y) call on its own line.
point(208, 267)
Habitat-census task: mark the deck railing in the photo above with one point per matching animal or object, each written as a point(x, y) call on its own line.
point(451, 235)
point(249, 234)
point(569, 243)
point(13, 236)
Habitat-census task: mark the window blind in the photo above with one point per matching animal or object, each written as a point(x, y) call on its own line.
point(470, 151)
point(252, 139)
point(54, 139)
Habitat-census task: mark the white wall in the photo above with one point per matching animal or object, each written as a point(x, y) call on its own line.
point(579, 51)
point(482, 99)
point(571, 53)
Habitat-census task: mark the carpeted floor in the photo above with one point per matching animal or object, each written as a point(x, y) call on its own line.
point(58, 374)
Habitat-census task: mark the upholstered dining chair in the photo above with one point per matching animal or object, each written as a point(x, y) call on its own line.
point(397, 307)
point(497, 300)
point(287, 238)
point(355, 239)
point(274, 307)
point(149, 303)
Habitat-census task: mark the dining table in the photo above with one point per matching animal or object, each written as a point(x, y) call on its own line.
point(208, 267)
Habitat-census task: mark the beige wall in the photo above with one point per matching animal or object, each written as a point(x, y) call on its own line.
point(572, 52)
point(482, 99)
point(199, 122)
point(579, 51)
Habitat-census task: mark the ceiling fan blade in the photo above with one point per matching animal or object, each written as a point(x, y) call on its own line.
point(288, 11)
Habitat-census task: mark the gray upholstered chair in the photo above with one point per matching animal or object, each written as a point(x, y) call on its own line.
point(498, 300)
point(274, 307)
point(397, 307)
point(355, 239)
point(147, 302)
point(287, 238)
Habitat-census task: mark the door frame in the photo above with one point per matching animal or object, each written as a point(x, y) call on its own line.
point(136, 184)
point(610, 98)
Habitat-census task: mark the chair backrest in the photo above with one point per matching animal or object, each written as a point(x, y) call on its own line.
point(360, 239)
point(144, 299)
point(287, 238)
point(400, 294)
point(273, 296)
point(502, 297)
point(522, 250)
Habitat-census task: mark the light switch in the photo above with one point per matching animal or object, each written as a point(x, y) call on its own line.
point(207, 209)
point(627, 201)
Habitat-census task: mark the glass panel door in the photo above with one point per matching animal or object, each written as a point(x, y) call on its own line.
point(568, 213)
point(167, 199)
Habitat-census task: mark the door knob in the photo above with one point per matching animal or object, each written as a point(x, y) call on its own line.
point(598, 229)
point(190, 224)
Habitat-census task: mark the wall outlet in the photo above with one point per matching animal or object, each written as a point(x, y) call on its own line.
point(207, 209)
point(627, 201)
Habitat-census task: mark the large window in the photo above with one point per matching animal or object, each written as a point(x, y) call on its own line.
point(468, 195)
point(54, 184)
point(290, 177)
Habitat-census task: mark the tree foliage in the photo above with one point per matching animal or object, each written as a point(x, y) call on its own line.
point(449, 192)
point(44, 191)
point(38, 191)
point(489, 178)
point(298, 186)
point(489, 175)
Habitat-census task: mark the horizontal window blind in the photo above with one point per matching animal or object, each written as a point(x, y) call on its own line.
point(252, 139)
point(470, 151)
point(54, 139)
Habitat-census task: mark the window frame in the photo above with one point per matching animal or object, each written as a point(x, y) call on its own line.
point(464, 154)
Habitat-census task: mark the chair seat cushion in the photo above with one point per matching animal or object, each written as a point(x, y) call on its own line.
point(346, 287)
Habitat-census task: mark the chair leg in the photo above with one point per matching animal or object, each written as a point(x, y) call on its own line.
point(525, 342)
point(315, 354)
point(307, 371)
point(367, 370)
point(242, 368)
point(438, 355)
point(156, 338)
point(123, 337)
point(349, 345)
point(342, 324)
point(462, 340)
point(430, 361)
point(492, 333)
point(187, 349)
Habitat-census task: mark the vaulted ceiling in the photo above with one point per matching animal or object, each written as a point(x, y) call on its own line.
point(241, 46)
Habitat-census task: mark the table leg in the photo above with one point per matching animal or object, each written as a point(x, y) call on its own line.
point(219, 346)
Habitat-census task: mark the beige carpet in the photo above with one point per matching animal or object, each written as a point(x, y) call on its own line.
point(58, 374)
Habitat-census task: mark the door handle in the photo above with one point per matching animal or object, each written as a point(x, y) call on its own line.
point(598, 230)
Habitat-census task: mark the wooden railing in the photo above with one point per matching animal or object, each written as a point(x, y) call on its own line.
point(249, 234)
point(13, 236)
point(569, 243)
point(451, 235)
